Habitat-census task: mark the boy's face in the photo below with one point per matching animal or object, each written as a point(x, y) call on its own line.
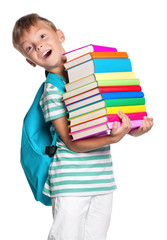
point(42, 46)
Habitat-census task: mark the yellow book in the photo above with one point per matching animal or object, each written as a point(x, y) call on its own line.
point(115, 75)
point(99, 77)
point(126, 109)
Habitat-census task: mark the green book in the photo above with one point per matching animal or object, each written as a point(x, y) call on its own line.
point(124, 102)
point(106, 103)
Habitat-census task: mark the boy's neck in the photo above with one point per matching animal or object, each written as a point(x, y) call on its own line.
point(60, 70)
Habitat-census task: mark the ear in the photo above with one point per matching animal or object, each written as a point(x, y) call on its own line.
point(31, 63)
point(60, 35)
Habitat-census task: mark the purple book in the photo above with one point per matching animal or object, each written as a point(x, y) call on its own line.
point(86, 49)
point(100, 130)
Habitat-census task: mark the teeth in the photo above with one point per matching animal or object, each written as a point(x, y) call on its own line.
point(43, 55)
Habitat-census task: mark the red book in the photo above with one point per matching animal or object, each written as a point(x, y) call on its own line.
point(120, 88)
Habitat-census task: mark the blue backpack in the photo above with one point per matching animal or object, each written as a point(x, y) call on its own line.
point(37, 144)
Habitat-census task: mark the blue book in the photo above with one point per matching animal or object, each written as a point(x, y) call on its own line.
point(103, 65)
point(103, 96)
point(99, 65)
point(113, 95)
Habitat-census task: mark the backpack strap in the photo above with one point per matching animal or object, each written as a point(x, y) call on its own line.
point(56, 80)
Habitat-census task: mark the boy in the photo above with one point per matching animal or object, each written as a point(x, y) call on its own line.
point(80, 178)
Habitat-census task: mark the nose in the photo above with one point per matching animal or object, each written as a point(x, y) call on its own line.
point(39, 46)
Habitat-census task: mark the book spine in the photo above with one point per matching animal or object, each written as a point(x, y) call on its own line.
point(103, 49)
point(103, 65)
point(126, 109)
point(124, 102)
point(115, 75)
point(109, 55)
point(131, 116)
point(134, 124)
point(118, 82)
point(115, 95)
point(129, 88)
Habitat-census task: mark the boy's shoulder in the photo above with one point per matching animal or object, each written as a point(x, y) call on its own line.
point(56, 80)
point(54, 85)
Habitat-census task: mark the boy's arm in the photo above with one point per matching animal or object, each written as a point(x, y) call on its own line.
point(147, 125)
point(85, 145)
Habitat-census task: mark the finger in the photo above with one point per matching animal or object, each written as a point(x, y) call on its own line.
point(120, 114)
point(114, 128)
point(126, 123)
point(147, 124)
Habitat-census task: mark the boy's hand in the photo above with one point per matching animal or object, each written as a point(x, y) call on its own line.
point(147, 125)
point(118, 133)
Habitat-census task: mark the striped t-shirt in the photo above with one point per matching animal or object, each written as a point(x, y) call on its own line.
point(71, 173)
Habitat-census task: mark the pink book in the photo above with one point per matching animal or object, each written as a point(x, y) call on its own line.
point(101, 129)
point(135, 124)
point(132, 116)
point(86, 49)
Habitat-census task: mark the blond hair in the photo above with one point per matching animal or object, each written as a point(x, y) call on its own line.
point(24, 23)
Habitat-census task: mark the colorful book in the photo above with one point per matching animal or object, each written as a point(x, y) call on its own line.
point(87, 109)
point(126, 109)
point(115, 75)
point(92, 131)
point(106, 103)
point(103, 96)
point(104, 119)
point(84, 102)
point(88, 124)
point(101, 65)
point(80, 90)
point(131, 116)
point(82, 96)
point(97, 77)
point(89, 116)
point(129, 88)
point(115, 95)
point(101, 83)
point(86, 49)
point(93, 55)
point(106, 111)
point(118, 82)
point(96, 84)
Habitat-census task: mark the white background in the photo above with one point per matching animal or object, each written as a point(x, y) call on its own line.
point(140, 164)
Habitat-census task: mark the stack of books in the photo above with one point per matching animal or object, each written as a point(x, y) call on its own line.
point(101, 83)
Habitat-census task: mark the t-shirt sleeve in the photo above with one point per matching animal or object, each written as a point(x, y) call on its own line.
point(51, 103)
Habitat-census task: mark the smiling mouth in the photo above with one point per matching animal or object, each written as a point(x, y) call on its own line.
point(47, 53)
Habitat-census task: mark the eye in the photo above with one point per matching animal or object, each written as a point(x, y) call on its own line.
point(43, 35)
point(28, 48)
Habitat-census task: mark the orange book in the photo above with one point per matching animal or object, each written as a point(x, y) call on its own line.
point(109, 55)
point(94, 55)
